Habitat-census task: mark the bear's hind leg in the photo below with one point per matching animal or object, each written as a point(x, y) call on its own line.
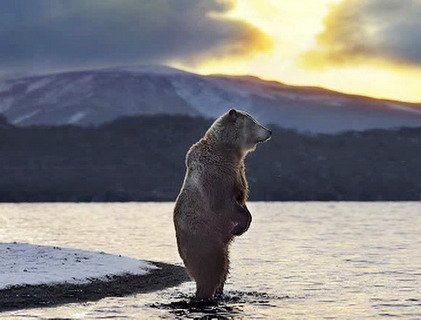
point(204, 291)
point(208, 268)
point(220, 290)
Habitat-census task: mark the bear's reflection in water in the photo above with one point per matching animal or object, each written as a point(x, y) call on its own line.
point(227, 306)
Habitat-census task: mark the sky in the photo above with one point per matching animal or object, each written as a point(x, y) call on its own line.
point(367, 47)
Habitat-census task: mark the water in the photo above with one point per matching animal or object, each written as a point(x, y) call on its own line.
point(297, 261)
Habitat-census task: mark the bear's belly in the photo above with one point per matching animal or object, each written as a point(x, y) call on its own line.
point(194, 218)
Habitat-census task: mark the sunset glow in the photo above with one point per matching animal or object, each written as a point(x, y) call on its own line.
point(294, 28)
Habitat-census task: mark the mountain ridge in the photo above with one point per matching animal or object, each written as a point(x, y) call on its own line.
point(94, 96)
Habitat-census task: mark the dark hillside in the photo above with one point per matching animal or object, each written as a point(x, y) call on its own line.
point(142, 159)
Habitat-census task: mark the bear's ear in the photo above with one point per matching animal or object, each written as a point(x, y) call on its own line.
point(233, 113)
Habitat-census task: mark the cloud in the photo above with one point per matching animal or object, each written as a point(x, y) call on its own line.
point(367, 31)
point(41, 34)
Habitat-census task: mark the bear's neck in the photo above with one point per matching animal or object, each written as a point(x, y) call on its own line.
point(228, 152)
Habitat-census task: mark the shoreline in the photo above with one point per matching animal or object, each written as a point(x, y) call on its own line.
point(38, 296)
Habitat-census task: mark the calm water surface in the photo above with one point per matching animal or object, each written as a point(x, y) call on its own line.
point(297, 261)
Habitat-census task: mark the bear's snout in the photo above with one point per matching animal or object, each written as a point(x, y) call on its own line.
point(265, 135)
point(268, 135)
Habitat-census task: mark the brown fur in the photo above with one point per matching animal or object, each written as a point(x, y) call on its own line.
point(211, 207)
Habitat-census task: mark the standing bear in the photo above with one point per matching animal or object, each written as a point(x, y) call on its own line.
point(211, 207)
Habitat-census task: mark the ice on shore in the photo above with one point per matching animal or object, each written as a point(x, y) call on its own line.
point(28, 264)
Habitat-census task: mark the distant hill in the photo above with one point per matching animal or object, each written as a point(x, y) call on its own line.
point(93, 97)
point(142, 159)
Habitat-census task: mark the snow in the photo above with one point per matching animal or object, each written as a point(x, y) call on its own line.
point(38, 84)
point(76, 117)
point(244, 89)
point(151, 69)
point(336, 103)
point(204, 98)
point(25, 117)
point(5, 86)
point(6, 103)
point(399, 107)
point(66, 91)
point(28, 264)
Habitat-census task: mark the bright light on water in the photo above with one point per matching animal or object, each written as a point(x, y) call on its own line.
point(298, 260)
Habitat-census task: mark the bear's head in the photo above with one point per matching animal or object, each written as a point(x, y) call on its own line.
point(239, 130)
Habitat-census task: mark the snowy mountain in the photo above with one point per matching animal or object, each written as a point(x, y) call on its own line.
point(92, 97)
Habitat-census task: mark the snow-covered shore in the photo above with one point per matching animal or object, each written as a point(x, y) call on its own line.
point(38, 276)
point(28, 264)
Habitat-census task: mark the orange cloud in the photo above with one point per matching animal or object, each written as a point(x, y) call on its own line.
point(368, 32)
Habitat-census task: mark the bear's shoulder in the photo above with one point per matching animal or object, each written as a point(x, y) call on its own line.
point(197, 153)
